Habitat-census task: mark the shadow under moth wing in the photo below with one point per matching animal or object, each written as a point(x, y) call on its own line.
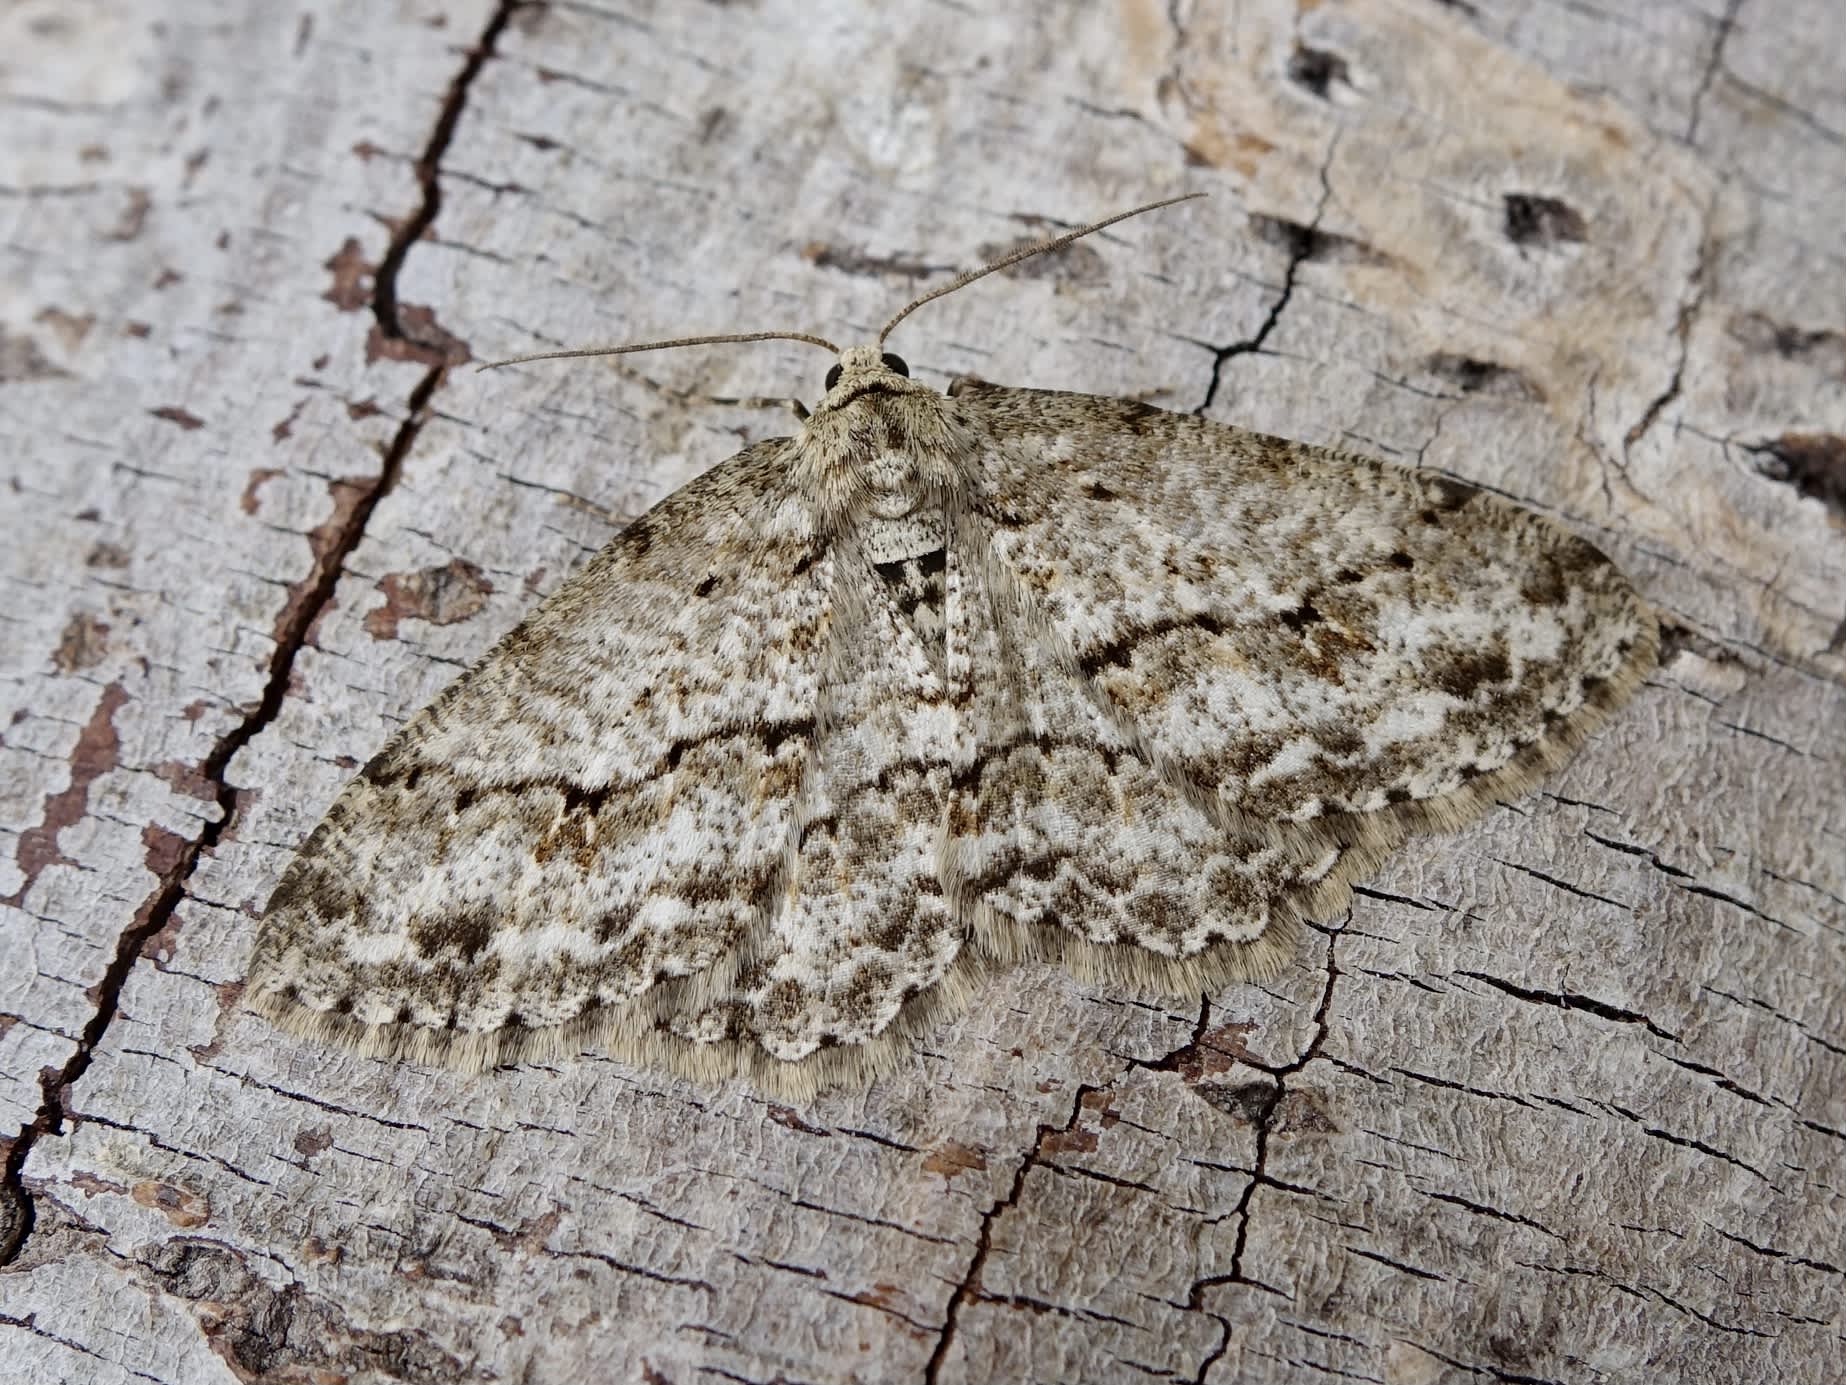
point(941, 684)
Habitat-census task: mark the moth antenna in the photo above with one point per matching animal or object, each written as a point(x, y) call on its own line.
point(632, 347)
point(1026, 252)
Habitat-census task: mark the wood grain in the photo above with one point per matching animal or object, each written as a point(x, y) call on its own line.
point(1564, 1097)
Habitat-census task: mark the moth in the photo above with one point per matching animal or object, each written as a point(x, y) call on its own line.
point(940, 684)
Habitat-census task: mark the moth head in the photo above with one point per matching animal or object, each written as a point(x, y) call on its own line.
point(866, 370)
point(864, 362)
point(878, 444)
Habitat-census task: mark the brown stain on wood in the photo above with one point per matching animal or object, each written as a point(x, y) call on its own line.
point(173, 413)
point(21, 360)
point(90, 1185)
point(1077, 1141)
point(70, 328)
point(848, 260)
point(348, 493)
point(248, 501)
point(952, 1159)
point(1217, 1051)
point(1303, 1111)
point(425, 341)
point(186, 1210)
point(187, 778)
point(82, 644)
point(94, 755)
point(134, 216)
point(441, 595)
point(163, 852)
point(351, 289)
point(790, 1119)
point(1241, 150)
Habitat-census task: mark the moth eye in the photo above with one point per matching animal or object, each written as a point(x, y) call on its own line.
point(833, 376)
point(896, 364)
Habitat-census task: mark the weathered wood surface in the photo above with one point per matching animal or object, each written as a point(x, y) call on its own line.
point(1563, 1099)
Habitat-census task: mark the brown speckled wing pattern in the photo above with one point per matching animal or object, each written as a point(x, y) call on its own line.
point(941, 684)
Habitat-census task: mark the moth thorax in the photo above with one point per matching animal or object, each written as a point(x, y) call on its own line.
point(893, 487)
point(894, 539)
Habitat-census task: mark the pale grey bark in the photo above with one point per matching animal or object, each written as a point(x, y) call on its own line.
point(1564, 1099)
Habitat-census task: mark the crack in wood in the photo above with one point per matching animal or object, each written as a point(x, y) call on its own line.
point(482, 1164)
point(968, 1287)
point(306, 603)
point(1259, 1175)
point(1301, 251)
point(29, 1323)
point(1684, 1142)
point(1569, 1000)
